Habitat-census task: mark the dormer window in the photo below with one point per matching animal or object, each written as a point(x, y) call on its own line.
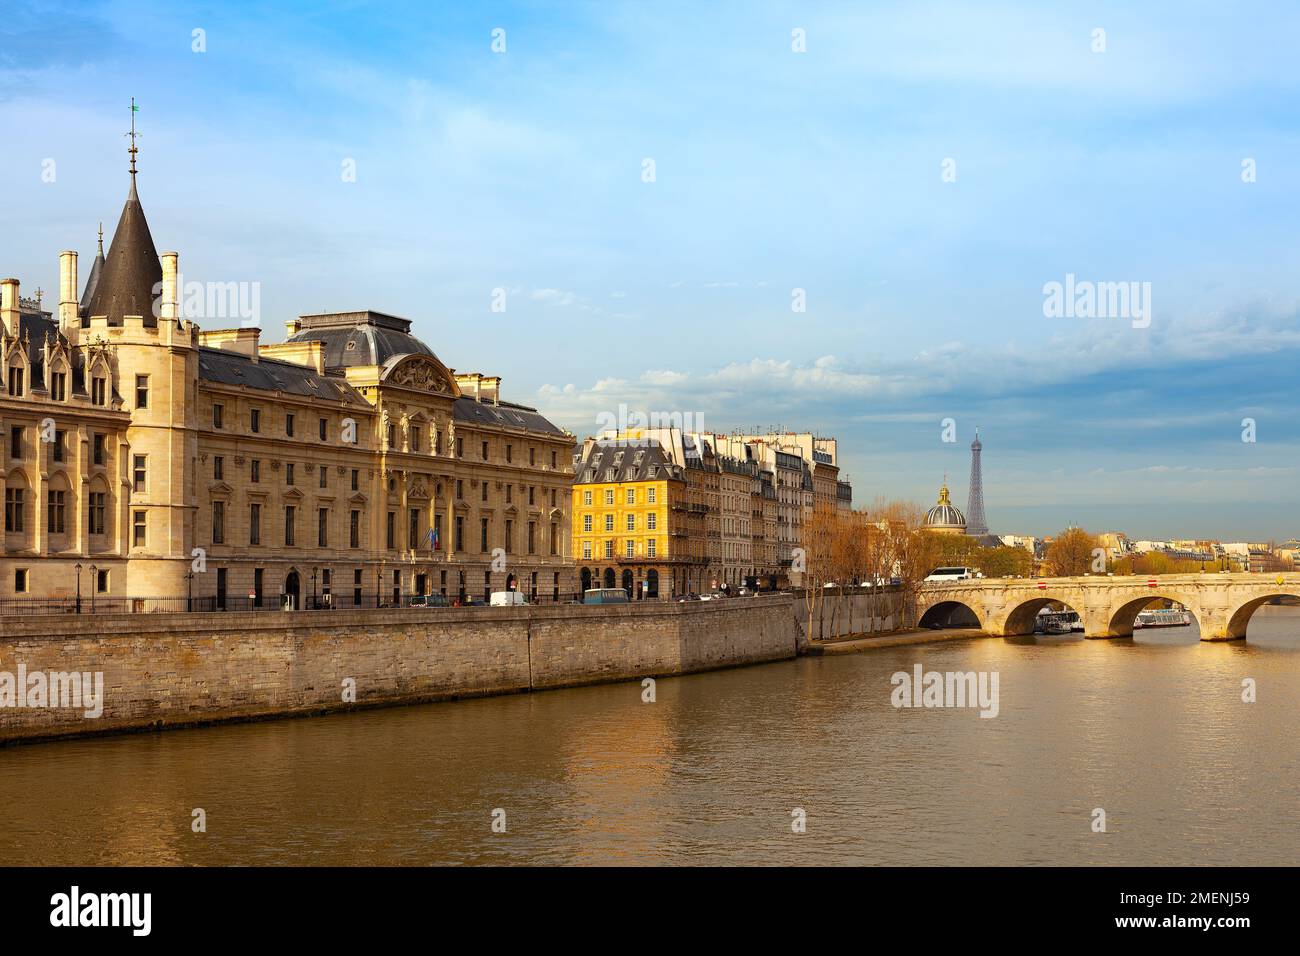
point(16, 381)
point(99, 390)
point(59, 386)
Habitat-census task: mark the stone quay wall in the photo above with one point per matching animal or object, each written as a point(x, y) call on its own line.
point(172, 670)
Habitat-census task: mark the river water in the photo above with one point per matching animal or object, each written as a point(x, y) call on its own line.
point(1152, 730)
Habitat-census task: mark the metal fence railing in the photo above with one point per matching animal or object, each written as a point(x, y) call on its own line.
point(230, 603)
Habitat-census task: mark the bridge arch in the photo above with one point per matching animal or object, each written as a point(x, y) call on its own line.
point(1239, 620)
point(950, 614)
point(1023, 615)
point(1123, 615)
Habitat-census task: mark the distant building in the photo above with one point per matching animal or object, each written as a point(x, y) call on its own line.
point(945, 517)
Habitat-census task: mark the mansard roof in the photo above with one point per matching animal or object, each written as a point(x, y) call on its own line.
point(235, 368)
point(620, 460)
point(125, 285)
point(503, 415)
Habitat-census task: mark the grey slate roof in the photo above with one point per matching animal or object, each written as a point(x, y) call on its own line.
point(360, 338)
point(125, 284)
point(506, 414)
point(35, 327)
point(612, 461)
point(235, 368)
point(92, 282)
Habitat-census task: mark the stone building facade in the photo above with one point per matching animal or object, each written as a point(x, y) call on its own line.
point(744, 506)
point(145, 458)
point(633, 520)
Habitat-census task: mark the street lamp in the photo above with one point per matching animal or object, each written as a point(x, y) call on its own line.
point(94, 586)
point(189, 592)
point(78, 566)
point(314, 603)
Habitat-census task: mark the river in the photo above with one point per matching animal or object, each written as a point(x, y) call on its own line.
point(1152, 730)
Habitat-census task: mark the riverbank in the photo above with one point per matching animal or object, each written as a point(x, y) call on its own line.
point(160, 671)
point(857, 644)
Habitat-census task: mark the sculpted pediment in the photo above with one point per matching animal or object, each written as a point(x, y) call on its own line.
point(423, 373)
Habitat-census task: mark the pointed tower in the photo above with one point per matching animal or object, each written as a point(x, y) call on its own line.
point(141, 357)
point(92, 281)
point(976, 524)
point(126, 283)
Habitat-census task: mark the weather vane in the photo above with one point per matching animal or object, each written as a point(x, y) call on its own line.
point(133, 134)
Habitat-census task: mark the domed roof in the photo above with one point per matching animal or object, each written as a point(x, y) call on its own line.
point(359, 338)
point(945, 514)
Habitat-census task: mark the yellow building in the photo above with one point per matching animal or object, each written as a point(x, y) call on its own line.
point(630, 508)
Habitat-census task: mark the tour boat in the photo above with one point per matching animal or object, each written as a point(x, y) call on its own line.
point(1057, 622)
point(1163, 617)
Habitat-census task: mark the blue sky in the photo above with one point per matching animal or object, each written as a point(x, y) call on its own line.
point(774, 170)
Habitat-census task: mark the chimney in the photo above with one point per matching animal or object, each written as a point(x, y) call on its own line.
point(9, 305)
point(292, 327)
point(170, 267)
point(67, 289)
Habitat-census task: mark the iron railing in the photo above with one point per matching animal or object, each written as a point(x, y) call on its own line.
point(208, 603)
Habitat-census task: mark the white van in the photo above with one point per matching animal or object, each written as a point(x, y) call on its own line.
point(507, 599)
point(951, 574)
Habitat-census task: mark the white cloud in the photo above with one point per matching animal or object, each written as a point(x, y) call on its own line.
point(557, 297)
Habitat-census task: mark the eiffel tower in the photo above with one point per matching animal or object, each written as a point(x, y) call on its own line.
point(976, 523)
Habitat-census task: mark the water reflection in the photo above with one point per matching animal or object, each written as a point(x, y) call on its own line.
point(1150, 728)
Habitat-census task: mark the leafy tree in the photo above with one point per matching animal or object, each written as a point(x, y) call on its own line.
point(1071, 553)
point(1004, 562)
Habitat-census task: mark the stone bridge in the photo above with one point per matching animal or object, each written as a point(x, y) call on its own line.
point(1221, 603)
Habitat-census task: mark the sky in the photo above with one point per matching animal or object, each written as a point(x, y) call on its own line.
point(653, 190)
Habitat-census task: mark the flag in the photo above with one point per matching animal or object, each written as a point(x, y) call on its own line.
point(433, 537)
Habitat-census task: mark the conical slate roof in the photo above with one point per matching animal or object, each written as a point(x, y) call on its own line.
point(125, 285)
point(92, 280)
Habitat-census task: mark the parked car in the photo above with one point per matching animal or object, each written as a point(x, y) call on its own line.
point(429, 600)
point(508, 599)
